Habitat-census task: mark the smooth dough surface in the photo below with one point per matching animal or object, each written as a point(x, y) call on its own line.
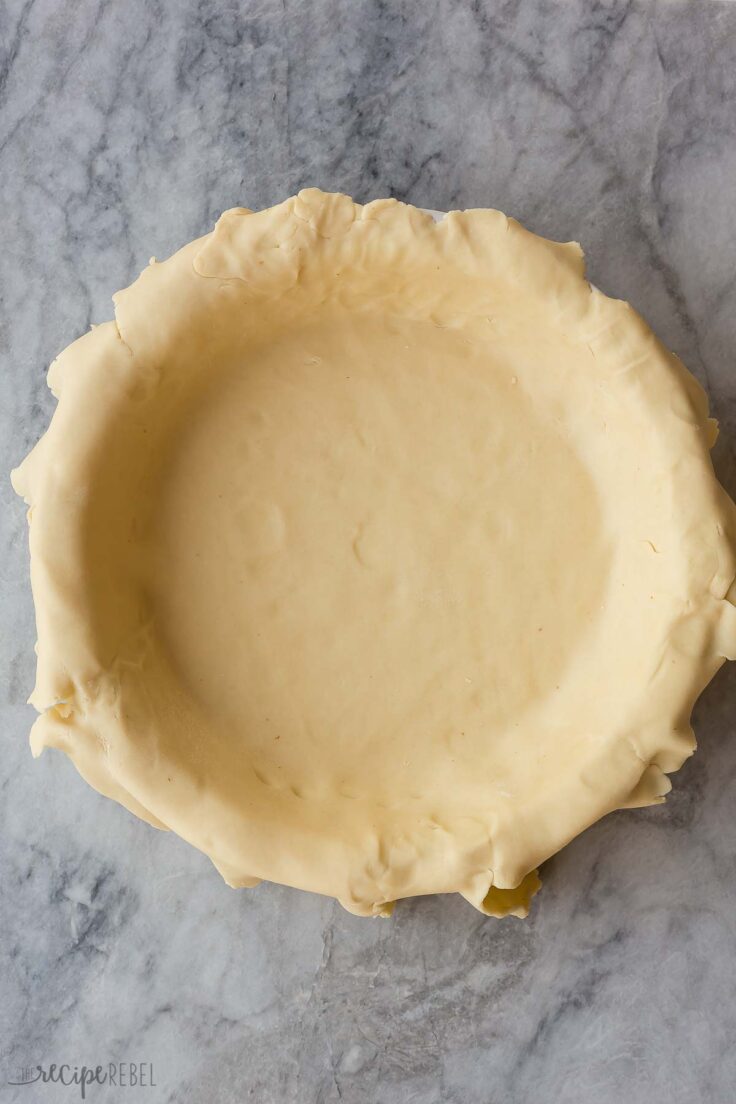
point(373, 555)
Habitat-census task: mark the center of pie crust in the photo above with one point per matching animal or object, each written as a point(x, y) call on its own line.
point(372, 551)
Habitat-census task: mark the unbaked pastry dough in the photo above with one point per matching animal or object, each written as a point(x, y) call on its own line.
point(373, 555)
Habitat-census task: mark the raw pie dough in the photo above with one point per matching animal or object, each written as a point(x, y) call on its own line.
point(373, 555)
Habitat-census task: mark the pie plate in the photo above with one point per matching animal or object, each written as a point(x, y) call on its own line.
point(375, 553)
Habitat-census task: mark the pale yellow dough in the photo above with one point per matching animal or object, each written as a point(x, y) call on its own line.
point(375, 556)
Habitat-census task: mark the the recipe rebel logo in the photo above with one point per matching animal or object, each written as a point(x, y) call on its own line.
point(121, 1075)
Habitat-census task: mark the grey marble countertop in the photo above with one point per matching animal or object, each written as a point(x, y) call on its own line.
point(125, 128)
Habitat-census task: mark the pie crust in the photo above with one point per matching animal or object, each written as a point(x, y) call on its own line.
point(375, 555)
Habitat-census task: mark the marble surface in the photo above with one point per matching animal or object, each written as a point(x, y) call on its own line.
point(125, 128)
